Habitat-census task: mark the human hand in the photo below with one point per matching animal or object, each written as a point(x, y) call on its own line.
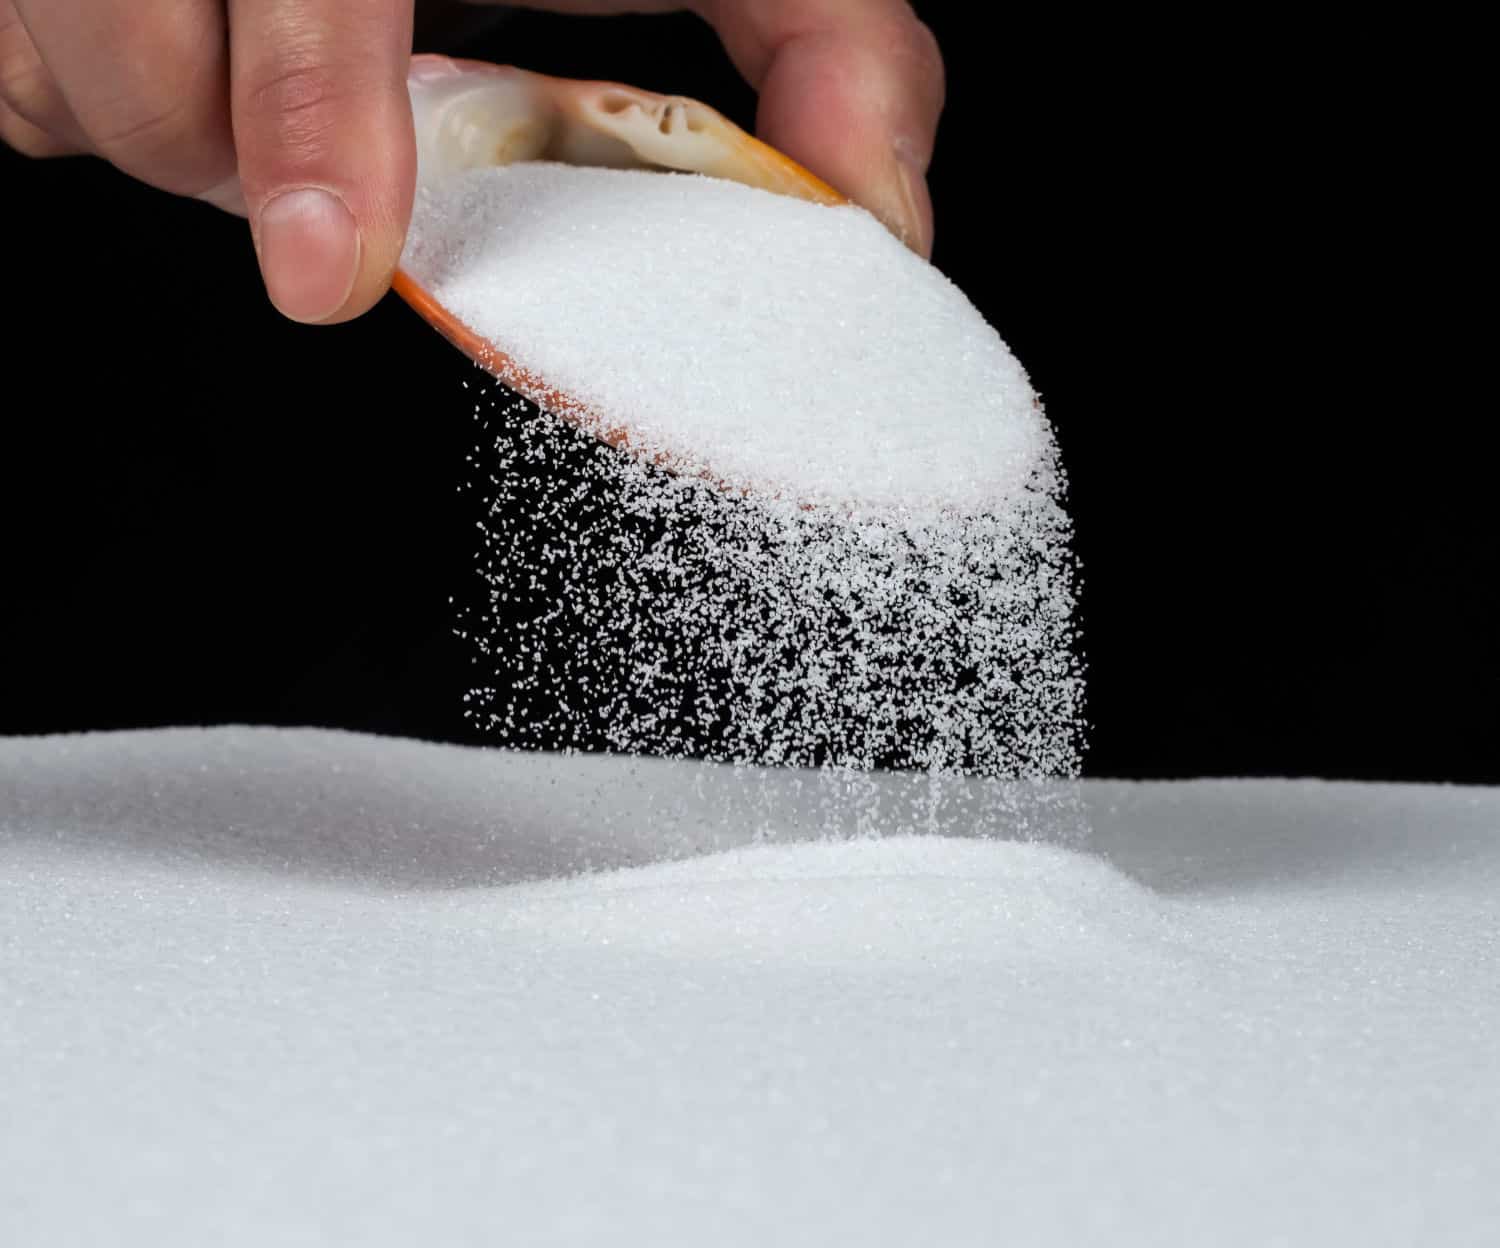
point(851, 89)
point(295, 114)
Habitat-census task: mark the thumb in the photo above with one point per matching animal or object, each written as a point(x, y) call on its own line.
point(323, 133)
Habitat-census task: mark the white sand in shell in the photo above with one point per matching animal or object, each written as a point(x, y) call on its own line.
point(773, 344)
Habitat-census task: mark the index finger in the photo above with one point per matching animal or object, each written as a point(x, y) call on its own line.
point(850, 88)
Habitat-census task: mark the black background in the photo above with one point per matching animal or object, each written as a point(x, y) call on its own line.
point(1287, 537)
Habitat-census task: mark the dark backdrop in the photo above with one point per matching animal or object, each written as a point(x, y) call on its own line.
point(1289, 546)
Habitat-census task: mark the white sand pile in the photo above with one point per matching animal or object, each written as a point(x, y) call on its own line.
point(297, 987)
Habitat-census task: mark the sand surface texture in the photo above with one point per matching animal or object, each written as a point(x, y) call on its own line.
point(266, 987)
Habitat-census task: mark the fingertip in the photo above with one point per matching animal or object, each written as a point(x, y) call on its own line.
point(19, 134)
point(915, 220)
point(327, 155)
point(836, 121)
point(228, 196)
point(321, 264)
point(328, 252)
point(860, 107)
point(309, 253)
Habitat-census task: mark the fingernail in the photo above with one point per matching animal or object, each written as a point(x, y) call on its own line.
point(309, 253)
point(226, 195)
point(916, 203)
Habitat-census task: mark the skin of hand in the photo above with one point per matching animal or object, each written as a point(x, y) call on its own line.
point(294, 113)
